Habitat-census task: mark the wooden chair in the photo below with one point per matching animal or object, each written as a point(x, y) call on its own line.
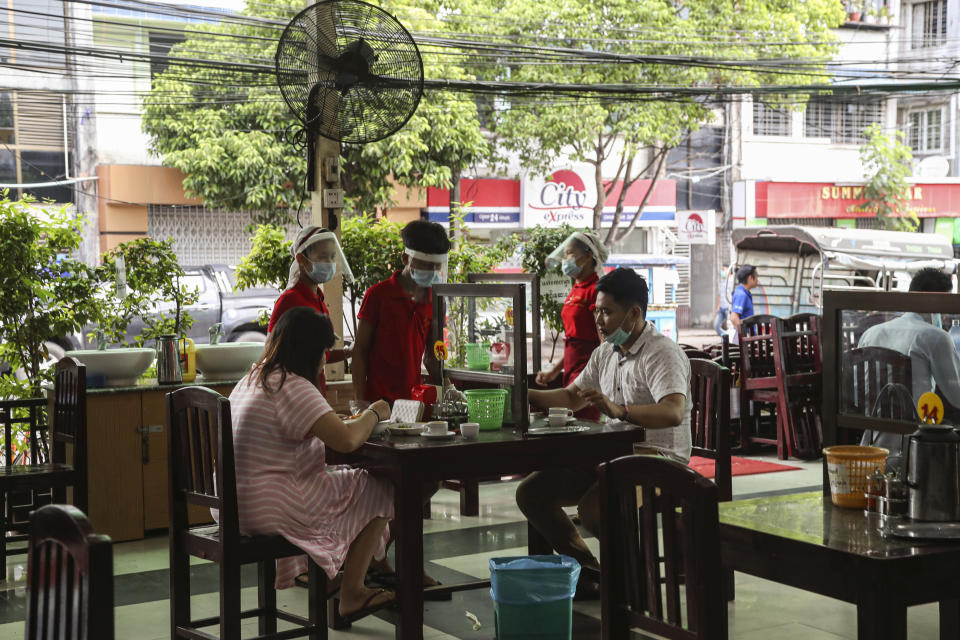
point(758, 382)
point(632, 583)
point(40, 472)
point(870, 377)
point(710, 420)
point(696, 353)
point(69, 578)
point(201, 469)
point(799, 383)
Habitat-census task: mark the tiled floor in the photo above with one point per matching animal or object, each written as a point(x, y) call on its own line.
point(457, 548)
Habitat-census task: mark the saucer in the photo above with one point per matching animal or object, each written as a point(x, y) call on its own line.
point(569, 421)
point(405, 428)
point(438, 436)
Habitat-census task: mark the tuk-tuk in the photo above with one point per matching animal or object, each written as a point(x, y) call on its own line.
point(796, 264)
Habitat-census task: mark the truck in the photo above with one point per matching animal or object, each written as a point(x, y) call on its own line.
point(797, 263)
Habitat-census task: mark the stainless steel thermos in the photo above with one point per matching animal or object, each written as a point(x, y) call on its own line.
point(933, 474)
point(168, 360)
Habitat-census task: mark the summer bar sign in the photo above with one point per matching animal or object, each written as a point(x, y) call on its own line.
point(569, 195)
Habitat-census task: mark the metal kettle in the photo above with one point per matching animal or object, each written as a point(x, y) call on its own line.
point(168, 360)
point(933, 474)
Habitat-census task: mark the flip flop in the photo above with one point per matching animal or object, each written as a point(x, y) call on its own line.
point(386, 579)
point(389, 581)
point(368, 608)
point(333, 586)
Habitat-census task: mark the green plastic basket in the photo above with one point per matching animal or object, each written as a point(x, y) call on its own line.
point(478, 356)
point(485, 407)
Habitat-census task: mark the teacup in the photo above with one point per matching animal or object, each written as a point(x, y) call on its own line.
point(470, 430)
point(436, 427)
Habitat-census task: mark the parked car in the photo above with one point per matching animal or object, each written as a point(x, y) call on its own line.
point(218, 302)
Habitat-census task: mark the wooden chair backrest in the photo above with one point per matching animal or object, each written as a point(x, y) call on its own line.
point(69, 576)
point(28, 415)
point(69, 424)
point(696, 353)
point(201, 463)
point(630, 544)
point(877, 382)
point(710, 419)
point(757, 356)
point(799, 344)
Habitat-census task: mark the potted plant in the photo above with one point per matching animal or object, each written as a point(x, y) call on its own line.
point(886, 17)
point(854, 11)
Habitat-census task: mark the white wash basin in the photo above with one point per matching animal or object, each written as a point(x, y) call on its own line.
point(120, 367)
point(228, 360)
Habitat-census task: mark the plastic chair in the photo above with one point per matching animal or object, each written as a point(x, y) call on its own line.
point(41, 473)
point(69, 578)
point(201, 469)
point(630, 539)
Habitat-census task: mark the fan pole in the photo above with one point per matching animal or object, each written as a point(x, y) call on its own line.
point(327, 217)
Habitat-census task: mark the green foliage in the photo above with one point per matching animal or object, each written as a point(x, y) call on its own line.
point(615, 132)
point(887, 164)
point(268, 263)
point(373, 248)
point(231, 133)
point(153, 283)
point(538, 243)
point(45, 293)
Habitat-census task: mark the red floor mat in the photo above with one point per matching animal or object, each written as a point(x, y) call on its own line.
point(739, 466)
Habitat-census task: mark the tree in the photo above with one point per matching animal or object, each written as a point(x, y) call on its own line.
point(268, 263)
point(374, 249)
point(153, 291)
point(45, 293)
point(232, 135)
point(887, 163)
point(617, 132)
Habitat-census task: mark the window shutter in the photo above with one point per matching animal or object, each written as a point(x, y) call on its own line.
point(40, 120)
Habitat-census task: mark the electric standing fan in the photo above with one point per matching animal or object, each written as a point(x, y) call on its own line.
point(349, 70)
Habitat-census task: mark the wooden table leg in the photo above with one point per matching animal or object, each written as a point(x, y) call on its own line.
point(949, 619)
point(408, 522)
point(470, 497)
point(537, 545)
point(880, 618)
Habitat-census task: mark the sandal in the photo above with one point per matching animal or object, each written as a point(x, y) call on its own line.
point(368, 608)
point(333, 586)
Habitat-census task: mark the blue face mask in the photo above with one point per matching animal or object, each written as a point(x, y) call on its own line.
point(618, 337)
point(321, 272)
point(425, 278)
point(570, 267)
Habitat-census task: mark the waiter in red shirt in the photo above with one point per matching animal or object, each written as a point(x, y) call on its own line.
point(395, 317)
point(317, 258)
point(580, 256)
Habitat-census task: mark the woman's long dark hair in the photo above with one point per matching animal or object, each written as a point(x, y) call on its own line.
point(296, 345)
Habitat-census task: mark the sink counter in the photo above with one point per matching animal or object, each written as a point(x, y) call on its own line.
point(150, 384)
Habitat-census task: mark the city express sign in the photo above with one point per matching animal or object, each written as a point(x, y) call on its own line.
point(568, 196)
point(825, 200)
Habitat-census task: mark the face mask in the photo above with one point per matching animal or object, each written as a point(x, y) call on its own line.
point(570, 267)
point(618, 337)
point(321, 272)
point(425, 278)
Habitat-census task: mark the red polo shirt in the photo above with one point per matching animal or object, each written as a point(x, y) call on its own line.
point(400, 331)
point(577, 313)
point(299, 295)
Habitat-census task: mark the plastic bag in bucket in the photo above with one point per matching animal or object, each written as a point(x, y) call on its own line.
point(532, 579)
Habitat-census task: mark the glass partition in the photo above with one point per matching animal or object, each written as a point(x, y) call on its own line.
point(881, 352)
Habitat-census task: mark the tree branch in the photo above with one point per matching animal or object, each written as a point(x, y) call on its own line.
point(653, 183)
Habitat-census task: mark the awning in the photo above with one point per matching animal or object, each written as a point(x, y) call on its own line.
point(494, 203)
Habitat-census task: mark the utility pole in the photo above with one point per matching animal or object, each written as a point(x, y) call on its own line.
point(326, 206)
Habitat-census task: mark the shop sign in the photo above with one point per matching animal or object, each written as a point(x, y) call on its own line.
point(568, 196)
point(826, 200)
point(556, 286)
point(696, 227)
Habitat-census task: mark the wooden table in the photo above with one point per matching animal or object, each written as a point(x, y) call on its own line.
point(410, 462)
point(804, 541)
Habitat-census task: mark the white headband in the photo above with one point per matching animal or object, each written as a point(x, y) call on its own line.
point(436, 258)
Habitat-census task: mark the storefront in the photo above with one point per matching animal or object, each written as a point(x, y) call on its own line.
point(758, 203)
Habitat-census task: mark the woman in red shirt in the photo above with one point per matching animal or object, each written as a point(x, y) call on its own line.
point(317, 257)
point(580, 256)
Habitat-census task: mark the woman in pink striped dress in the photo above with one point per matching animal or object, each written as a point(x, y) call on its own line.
point(282, 426)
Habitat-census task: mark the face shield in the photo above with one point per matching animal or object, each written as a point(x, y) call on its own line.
point(422, 263)
point(569, 248)
point(318, 246)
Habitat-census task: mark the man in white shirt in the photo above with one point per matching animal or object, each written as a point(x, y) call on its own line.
point(636, 376)
point(934, 361)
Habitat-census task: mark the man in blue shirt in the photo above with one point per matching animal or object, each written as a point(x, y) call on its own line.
point(742, 305)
